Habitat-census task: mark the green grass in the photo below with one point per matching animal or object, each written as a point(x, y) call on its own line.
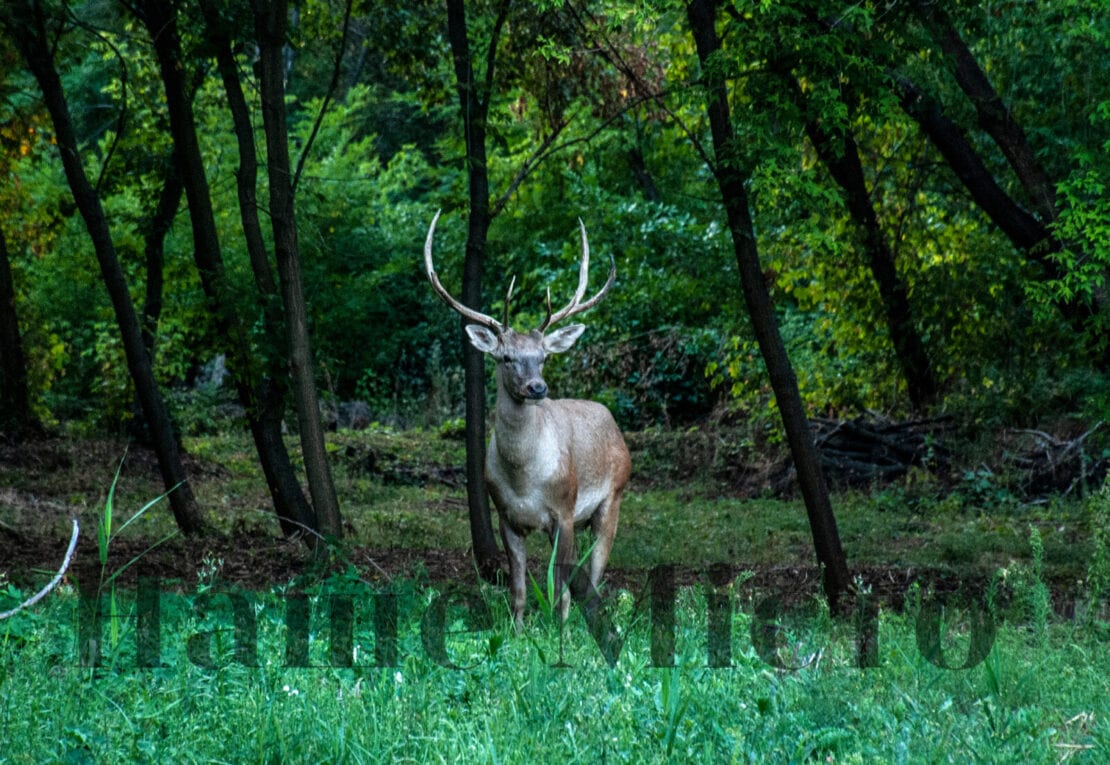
point(459, 684)
point(1034, 699)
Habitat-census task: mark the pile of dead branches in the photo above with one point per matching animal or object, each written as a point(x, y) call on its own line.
point(873, 449)
point(1047, 464)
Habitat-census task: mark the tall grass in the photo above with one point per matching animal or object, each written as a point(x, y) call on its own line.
point(475, 691)
point(344, 671)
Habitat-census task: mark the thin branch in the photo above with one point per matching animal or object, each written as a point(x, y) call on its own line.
point(491, 52)
point(53, 582)
point(332, 87)
point(529, 165)
point(610, 53)
point(123, 78)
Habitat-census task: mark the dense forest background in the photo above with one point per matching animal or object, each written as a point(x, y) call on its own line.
point(926, 185)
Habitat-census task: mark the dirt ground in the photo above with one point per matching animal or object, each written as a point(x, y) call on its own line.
point(260, 562)
point(256, 560)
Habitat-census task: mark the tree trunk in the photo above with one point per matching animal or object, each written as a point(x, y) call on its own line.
point(994, 117)
point(16, 416)
point(271, 17)
point(27, 28)
point(1029, 235)
point(289, 499)
point(841, 156)
point(730, 179)
point(255, 391)
point(474, 103)
point(154, 248)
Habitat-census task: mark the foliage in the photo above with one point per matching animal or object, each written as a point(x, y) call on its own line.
point(1084, 229)
point(495, 695)
point(596, 104)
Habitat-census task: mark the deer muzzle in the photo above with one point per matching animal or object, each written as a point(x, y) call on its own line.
point(536, 390)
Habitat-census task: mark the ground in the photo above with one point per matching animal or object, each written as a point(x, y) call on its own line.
point(45, 482)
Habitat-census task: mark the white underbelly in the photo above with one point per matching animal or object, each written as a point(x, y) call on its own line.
point(532, 511)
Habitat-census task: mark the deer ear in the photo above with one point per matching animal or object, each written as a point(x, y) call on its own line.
point(482, 338)
point(562, 339)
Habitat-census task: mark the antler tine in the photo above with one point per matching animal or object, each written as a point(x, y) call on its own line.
point(467, 313)
point(509, 298)
point(576, 306)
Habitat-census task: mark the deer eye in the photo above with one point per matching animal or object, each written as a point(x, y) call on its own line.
point(506, 359)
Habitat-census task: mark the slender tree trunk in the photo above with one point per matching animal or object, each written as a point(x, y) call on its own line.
point(841, 156)
point(16, 416)
point(1030, 236)
point(994, 116)
point(255, 390)
point(1025, 232)
point(641, 173)
point(154, 241)
point(26, 26)
point(289, 499)
point(474, 104)
point(271, 18)
point(730, 179)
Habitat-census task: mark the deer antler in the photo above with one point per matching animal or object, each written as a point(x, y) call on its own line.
point(467, 313)
point(575, 306)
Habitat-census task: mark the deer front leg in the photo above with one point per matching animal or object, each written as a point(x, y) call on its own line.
point(566, 558)
point(516, 551)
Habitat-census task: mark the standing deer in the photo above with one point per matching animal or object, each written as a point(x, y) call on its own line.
point(552, 464)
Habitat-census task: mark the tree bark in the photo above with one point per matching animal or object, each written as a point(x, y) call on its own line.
point(285, 490)
point(474, 104)
point(993, 115)
point(1025, 232)
point(154, 248)
point(255, 390)
point(1029, 236)
point(730, 180)
point(271, 18)
point(840, 155)
point(16, 416)
point(26, 25)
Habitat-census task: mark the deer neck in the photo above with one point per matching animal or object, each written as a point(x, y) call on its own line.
point(519, 427)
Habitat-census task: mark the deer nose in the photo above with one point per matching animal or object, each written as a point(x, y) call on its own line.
point(536, 389)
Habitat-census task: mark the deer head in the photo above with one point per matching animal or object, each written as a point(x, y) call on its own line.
point(520, 356)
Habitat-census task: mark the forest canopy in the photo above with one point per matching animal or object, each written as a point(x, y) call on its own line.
point(926, 184)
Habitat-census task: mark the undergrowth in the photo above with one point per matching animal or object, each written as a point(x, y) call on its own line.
point(345, 672)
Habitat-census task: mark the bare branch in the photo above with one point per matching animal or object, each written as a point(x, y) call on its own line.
point(332, 86)
point(610, 53)
point(53, 582)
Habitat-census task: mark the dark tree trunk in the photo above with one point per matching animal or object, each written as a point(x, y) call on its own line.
point(271, 18)
point(154, 241)
point(730, 179)
point(16, 417)
point(26, 25)
point(1022, 229)
point(841, 156)
point(642, 175)
point(288, 498)
point(994, 117)
point(1030, 236)
point(474, 103)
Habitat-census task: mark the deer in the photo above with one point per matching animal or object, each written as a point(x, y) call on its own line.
point(552, 465)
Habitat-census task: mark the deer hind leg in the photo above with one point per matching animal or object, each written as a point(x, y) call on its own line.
point(604, 525)
point(516, 551)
